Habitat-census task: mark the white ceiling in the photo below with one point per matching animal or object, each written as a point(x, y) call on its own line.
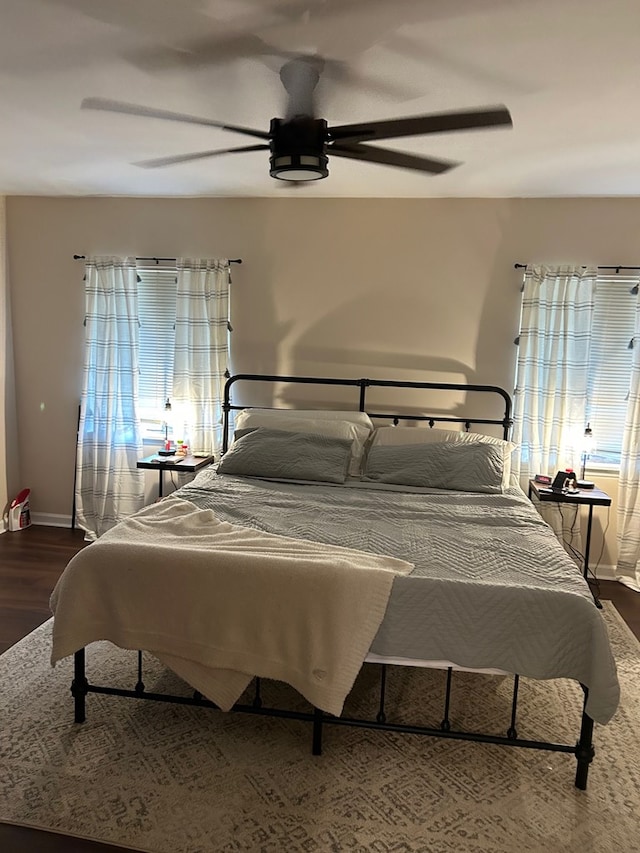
point(568, 70)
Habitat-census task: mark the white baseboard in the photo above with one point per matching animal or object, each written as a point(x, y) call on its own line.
point(606, 573)
point(50, 519)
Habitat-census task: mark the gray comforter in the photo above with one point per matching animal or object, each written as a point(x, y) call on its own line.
point(492, 586)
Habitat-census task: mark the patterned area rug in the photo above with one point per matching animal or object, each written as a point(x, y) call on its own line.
point(172, 779)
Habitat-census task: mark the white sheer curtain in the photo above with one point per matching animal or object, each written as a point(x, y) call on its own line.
point(202, 350)
point(628, 569)
point(109, 487)
point(551, 380)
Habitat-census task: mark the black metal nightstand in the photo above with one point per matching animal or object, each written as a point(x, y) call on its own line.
point(186, 465)
point(583, 497)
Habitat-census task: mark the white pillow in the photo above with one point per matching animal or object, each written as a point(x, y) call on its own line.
point(358, 433)
point(419, 435)
point(361, 418)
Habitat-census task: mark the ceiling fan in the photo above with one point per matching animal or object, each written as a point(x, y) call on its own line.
point(300, 143)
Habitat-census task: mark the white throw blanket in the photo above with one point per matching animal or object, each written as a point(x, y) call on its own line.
point(219, 603)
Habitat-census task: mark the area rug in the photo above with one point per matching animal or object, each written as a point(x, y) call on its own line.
point(176, 779)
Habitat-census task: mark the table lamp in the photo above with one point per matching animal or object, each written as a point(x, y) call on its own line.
point(166, 450)
point(588, 446)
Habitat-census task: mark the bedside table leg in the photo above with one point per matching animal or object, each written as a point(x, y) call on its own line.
point(586, 556)
point(588, 545)
point(160, 473)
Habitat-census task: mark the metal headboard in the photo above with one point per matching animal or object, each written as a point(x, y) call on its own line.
point(362, 385)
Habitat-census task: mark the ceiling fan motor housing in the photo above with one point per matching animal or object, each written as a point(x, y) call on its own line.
point(298, 149)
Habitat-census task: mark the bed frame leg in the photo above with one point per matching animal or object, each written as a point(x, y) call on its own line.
point(445, 725)
point(512, 731)
point(381, 717)
point(317, 732)
point(79, 686)
point(584, 748)
point(139, 688)
point(257, 697)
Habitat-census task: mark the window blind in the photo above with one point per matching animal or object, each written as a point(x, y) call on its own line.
point(610, 363)
point(157, 289)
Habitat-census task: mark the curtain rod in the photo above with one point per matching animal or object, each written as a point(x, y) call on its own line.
point(616, 267)
point(157, 260)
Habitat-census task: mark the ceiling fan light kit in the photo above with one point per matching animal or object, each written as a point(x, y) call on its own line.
point(297, 149)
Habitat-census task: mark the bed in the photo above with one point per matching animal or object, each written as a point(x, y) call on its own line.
point(324, 540)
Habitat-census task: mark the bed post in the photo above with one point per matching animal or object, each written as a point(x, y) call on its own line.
point(226, 408)
point(79, 686)
point(584, 747)
point(363, 383)
point(317, 732)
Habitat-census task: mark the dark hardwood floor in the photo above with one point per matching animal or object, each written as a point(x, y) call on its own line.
point(31, 562)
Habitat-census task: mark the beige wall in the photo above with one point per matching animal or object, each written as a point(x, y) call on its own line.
point(391, 288)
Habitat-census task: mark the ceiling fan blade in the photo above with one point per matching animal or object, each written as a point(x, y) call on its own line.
point(198, 52)
point(386, 157)
point(199, 155)
point(420, 125)
point(109, 105)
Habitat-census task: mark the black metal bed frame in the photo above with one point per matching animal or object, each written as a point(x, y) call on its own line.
point(583, 749)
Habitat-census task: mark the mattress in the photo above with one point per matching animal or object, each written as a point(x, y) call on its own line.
point(492, 587)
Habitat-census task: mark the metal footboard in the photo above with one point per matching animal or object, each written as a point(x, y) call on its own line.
point(583, 749)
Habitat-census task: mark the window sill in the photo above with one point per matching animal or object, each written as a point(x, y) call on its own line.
point(601, 470)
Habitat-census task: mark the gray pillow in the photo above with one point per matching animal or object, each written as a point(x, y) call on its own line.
point(284, 455)
point(463, 466)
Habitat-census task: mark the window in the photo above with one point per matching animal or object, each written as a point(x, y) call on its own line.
point(157, 289)
point(157, 302)
point(574, 366)
point(610, 359)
